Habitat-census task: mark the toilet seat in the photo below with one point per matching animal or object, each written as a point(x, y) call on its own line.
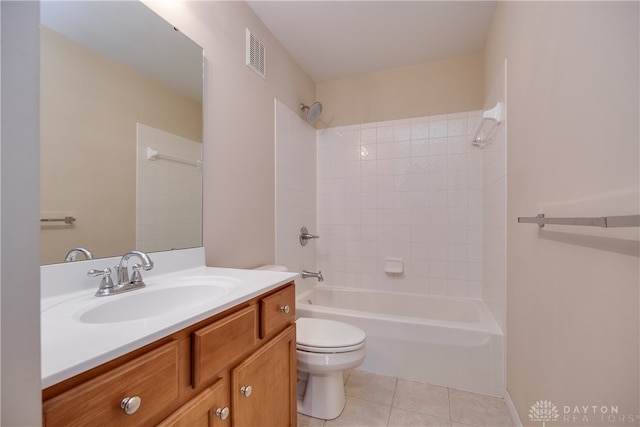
point(328, 336)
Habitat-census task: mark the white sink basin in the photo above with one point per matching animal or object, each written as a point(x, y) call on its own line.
point(149, 302)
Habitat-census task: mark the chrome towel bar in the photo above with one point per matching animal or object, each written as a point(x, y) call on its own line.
point(602, 221)
point(66, 220)
point(153, 154)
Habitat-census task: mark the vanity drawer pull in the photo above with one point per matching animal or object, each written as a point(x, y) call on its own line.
point(285, 309)
point(246, 390)
point(130, 404)
point(223, 413)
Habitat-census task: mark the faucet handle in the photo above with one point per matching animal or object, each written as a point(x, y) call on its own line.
point(95, 273)
point(305, 236)
point(106, 284)
point(136, 276)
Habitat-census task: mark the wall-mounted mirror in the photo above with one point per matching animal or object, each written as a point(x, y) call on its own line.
point(121, 131)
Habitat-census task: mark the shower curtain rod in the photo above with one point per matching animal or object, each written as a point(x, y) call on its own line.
point(602, 221)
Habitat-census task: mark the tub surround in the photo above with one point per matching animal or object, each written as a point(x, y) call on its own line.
point(70, 347)
point(409, 189)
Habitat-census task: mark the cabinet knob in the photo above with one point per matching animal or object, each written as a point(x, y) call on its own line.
point(284, 309)
point(130, 404)
point(223, 413)
point(246, 390)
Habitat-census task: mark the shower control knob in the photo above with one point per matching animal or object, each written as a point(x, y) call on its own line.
point(246, 390)
point(305, 236)
point(285, 309)
point(130, 404)
point(223, 413)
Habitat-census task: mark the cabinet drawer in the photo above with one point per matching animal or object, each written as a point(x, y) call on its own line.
point(277, 309)
point(153, 377)
point(222, 342)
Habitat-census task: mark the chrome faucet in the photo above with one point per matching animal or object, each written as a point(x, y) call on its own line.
point(124, 284)
point(107, 287)
point(317, 275)
point(122, 269)
point(71, 255)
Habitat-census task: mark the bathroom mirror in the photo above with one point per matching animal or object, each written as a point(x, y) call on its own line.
point(121, 131)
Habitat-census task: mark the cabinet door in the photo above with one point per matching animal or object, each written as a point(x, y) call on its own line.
point(207, 409)
point(271, 374)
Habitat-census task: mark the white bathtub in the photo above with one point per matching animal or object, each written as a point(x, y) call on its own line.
point(444, 341)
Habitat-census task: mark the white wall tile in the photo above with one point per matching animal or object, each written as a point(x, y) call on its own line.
point(419, 195)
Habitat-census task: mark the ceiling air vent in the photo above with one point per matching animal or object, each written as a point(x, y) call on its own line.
point(255, 55)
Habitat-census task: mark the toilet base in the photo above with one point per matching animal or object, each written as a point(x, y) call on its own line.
point(323, 396)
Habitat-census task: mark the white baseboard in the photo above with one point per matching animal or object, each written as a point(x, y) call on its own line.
point(512, 409)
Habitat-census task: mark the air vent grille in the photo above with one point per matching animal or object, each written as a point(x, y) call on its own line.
point(255, 55)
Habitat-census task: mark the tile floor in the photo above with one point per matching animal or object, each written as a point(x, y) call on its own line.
point(379, 400)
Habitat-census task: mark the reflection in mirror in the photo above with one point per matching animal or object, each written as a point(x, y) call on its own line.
point(117, 81)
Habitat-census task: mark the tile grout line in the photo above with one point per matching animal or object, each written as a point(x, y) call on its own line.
point(449, 401)
point(393, 396)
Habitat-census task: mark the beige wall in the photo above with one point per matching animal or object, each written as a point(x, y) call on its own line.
point(239, 146)
point(438, 87)
point(572, 150)
point(89, 108)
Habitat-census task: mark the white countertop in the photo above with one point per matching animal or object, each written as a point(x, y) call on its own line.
point(70, 347)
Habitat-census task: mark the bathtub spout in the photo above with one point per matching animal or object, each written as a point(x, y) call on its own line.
point(317, 275)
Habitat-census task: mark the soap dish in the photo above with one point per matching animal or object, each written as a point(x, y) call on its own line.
point(393, 265)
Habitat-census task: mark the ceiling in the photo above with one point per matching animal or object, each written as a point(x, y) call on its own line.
point(336, 39)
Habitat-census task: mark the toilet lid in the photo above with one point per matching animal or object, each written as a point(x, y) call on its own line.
point(327, 336)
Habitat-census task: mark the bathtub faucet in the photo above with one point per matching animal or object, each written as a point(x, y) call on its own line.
point(317, 275)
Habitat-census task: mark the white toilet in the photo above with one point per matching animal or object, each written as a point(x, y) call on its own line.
point(324, 349)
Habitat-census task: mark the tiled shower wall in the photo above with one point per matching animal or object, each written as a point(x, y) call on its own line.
point(409, 189)
point(295, 191)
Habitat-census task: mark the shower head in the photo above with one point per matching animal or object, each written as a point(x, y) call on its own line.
point(313, 112)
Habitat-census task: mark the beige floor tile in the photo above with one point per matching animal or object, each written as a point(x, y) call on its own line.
point(478, 410)
point(305, 421)
point(424, 398)
point(372, 387)
point(361, 413)
point(401, 417)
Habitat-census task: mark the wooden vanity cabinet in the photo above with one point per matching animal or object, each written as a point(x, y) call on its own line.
point(236, 369)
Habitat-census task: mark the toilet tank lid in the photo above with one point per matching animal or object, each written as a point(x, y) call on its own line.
point(272, 268)
point(324, 333)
